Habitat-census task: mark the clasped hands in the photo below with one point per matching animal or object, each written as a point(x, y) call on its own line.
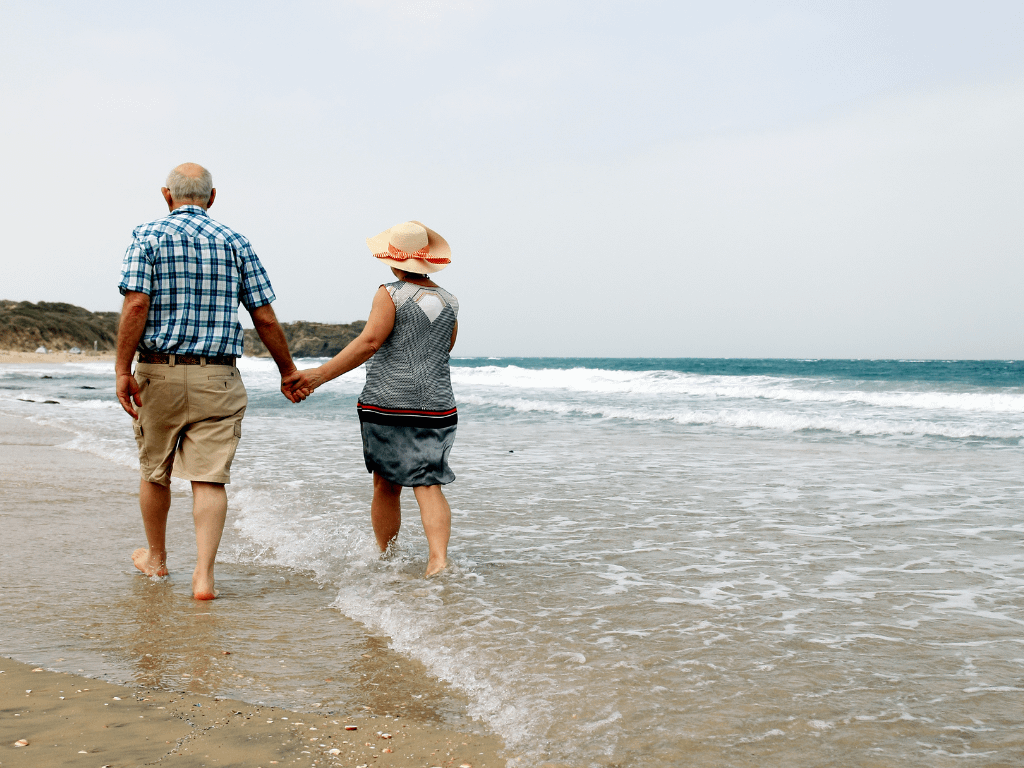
point(298, 385)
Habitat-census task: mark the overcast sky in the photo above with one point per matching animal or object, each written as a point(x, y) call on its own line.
point(676, 179)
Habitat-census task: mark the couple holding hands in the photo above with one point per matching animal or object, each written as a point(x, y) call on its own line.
point(182, 279)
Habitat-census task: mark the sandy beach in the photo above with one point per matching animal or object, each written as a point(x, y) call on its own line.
point(55, 718)
point(160, 712)
point(11, 356)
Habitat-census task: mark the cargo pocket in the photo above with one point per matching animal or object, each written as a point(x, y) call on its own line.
point(140, 440)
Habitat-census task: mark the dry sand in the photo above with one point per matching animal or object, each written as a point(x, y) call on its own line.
point(70, 720)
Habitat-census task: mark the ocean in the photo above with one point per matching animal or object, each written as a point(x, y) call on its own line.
point(653, 561)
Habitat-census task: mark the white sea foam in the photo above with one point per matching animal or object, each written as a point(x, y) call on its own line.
point(660, 383)
point(747, 418)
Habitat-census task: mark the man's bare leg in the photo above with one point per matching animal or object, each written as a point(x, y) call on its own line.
point(385, 511)
point(209, 511)
point(437, 524)
point(154, 501)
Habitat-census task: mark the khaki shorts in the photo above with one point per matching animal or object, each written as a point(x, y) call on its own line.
point(190, 421)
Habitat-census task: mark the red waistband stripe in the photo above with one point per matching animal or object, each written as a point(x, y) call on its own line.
point(404, 411)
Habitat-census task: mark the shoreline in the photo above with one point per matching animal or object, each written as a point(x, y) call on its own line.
point(152, 718)
point(55, 358)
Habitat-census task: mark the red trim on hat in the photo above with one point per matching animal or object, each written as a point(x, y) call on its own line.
point(406, 256)
point(399, 255)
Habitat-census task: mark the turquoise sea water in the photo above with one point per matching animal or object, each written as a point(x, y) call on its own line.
point(661, 561)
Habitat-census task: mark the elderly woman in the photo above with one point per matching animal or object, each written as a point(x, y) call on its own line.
point(407, 409)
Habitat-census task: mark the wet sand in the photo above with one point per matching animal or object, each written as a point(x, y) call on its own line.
point(184, 665)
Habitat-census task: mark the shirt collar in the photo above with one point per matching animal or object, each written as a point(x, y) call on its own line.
point(196, 210)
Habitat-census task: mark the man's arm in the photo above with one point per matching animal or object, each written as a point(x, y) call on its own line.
point(272, 335)
point(134, 312)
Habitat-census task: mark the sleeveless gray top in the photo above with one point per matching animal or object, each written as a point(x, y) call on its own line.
point(408, 379)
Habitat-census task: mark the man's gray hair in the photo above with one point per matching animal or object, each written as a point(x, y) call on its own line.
point(188, 187)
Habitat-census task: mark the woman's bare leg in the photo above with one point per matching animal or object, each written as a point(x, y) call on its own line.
point(437, 524)
point(385, 511)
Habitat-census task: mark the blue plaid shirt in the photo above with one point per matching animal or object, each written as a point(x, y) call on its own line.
point(195, 271)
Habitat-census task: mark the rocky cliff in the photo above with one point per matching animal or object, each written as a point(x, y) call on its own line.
point(25, 326)
point(308, 339)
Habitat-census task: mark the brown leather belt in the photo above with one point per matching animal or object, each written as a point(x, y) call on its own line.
point(163, 358)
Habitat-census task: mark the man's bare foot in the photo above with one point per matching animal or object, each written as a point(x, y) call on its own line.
point(434, 568)
point(150, 564)
point(202, 587)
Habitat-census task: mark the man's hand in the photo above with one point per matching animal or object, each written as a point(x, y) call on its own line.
point(300, 384)
point(127, 392)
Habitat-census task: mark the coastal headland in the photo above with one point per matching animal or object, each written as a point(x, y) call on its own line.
point(62, 328)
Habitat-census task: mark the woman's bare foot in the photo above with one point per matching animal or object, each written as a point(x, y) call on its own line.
point(434, 568)
point(202, 586)
point(149, 563)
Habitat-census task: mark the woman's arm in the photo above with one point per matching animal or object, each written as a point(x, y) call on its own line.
point(455, 332)
point(378, 327)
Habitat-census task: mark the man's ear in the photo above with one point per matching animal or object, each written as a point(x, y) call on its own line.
point(213, 194)
point(167, 196)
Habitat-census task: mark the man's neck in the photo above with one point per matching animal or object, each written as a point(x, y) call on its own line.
point(176, 205)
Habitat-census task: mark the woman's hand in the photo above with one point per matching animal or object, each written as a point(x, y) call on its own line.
point(300, 385)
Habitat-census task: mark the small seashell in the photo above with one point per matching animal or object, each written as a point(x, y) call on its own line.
point(226, 653)
point(465, 765)
point(387, 749)
point(38, 669)
point(385, 735)
point(21, 743)
point(351, 727)
point(334, 751)
point(82, 752)
point(117, 698)
point(29, 691)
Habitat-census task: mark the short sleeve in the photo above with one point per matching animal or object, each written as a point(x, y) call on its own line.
point(137, 267)
point(254, 289)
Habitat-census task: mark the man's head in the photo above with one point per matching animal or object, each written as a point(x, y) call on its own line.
point(189, 184)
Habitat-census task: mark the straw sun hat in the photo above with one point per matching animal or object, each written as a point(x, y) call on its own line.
point(412, 247)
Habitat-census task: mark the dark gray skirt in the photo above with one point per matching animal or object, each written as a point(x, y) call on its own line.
point(408, 456)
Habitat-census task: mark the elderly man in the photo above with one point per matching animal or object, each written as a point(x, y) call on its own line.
point(182, 279)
